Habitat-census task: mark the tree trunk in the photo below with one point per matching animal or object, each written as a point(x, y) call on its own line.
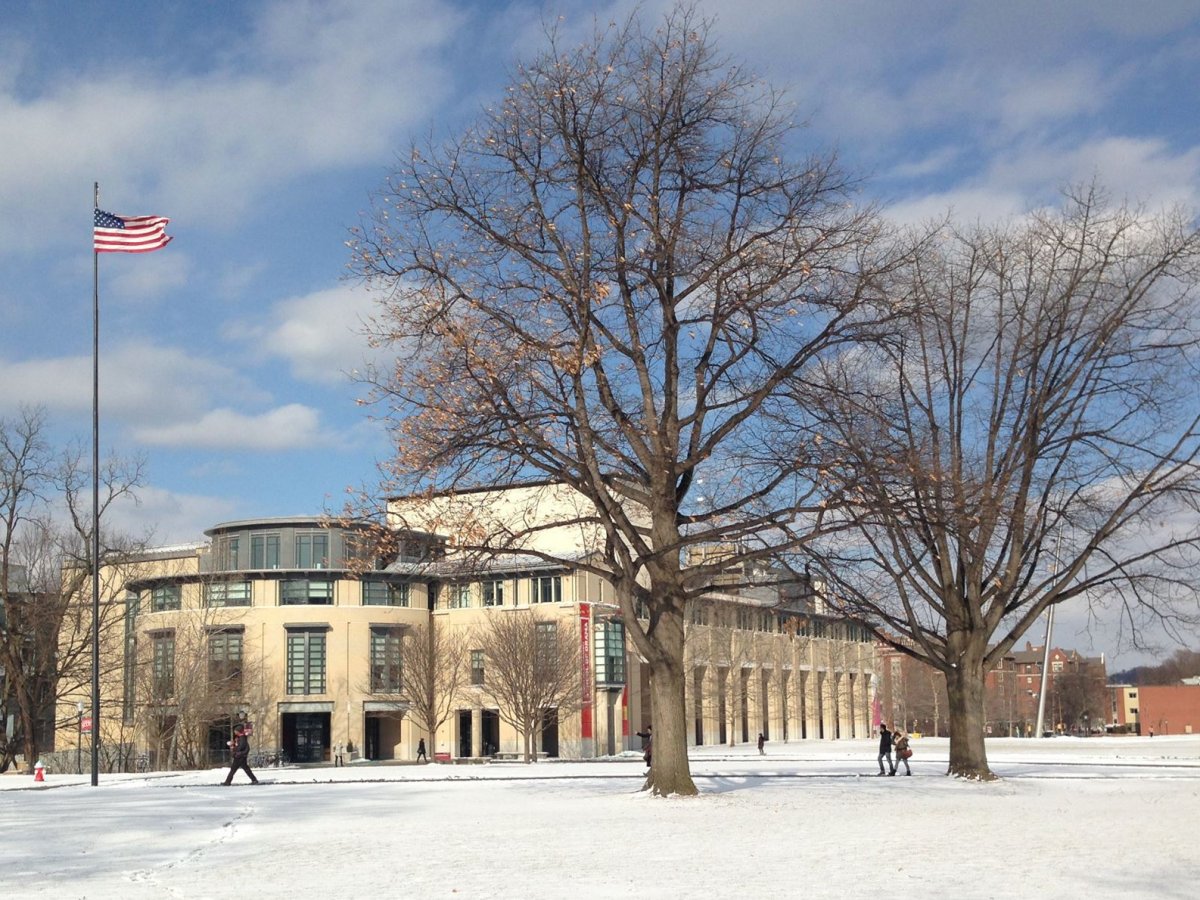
point(964, 687)
point(669, 772)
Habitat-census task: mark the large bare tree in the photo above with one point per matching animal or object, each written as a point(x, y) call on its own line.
point(608, 282)
point(1029, 437)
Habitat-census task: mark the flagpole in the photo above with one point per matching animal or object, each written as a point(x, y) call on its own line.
point(95, 500)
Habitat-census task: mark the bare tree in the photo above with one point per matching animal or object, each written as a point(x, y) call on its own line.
point(531, 667)
point(1029, 437)
point(924, 699)
point(608, 282)
point(189, 678)
point(46, 531)
point(435, 660)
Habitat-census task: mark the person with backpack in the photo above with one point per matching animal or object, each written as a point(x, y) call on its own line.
point(239, 754)
point(903, 751)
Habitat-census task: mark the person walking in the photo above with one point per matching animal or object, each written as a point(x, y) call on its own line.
point(421, 751)
point(761, 740)
point(903, 751)
point(338, 756)
point(885, 750)
point(239, 754)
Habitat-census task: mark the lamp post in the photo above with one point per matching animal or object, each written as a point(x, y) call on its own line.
point(79, 736)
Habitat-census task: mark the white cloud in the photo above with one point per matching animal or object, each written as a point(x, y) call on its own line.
point(166, 517)
point(152, 280)
point(1134, 170)
point(140, 383)
point(320, 334)
point(290, 427)
point(313, 86)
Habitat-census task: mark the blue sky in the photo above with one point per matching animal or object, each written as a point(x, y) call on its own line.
point(261, 129)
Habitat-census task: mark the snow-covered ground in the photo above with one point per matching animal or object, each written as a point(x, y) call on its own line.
point(1101, 817)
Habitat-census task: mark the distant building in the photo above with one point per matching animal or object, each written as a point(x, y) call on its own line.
point(1155, 709)
point(1076, 695)
point(914, 694)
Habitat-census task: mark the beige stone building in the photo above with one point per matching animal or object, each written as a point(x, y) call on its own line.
point(287, 624)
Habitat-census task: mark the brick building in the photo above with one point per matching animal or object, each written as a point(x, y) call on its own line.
point(1155, 709)
point(914, 694)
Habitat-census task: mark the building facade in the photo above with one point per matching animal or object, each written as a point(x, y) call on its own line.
point(290, 625)
point(1155, 709)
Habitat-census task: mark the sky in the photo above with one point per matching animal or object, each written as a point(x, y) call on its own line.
point(1097, 818)
point(263, 128)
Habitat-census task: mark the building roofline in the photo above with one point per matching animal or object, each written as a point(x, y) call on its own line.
point(481, 489)
point(267, 521)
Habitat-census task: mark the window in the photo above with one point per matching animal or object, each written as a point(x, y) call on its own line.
point(225, 661)
point(129, 707)
point(610, 653)
point(1056, 666)
point(545, 589)
point(385, 593)
point(302, 591)
point(476, 667)
point(227, 593)
point(312, 550)
point(493, 593)
point(264, 551)
point(227, 556)
point(163, 671)
point(1133, 695)
point(545, 653)
point(306, 661)
point(164, 597)
point(385, 660)
point(458, 596)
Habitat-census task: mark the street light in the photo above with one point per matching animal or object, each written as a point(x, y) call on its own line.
point(79, 736)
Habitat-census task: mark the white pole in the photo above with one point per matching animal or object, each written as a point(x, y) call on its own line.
point(1041, 719)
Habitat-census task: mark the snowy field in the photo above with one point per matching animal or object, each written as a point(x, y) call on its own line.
point(1101, 817)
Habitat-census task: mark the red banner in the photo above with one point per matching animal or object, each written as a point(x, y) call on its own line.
point(585, 653)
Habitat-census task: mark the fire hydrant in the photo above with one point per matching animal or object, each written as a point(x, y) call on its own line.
point(39, 771)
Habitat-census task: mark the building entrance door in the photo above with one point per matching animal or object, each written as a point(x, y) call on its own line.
point(464, 732)
point(371, 748)
point(490, 726)
point(550, 731)
point(306, 736)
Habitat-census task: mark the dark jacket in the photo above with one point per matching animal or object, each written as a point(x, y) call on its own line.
point(885, 741)
point(241, 747)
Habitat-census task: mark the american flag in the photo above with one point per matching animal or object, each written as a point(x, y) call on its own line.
point(129, 234)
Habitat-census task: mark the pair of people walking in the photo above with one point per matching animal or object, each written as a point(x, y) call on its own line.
point(897, 742)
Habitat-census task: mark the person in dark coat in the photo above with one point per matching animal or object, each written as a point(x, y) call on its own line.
point(421, 751)
point(885, 750)
point(761, 740)
point(240, 752)
point(647, 744)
